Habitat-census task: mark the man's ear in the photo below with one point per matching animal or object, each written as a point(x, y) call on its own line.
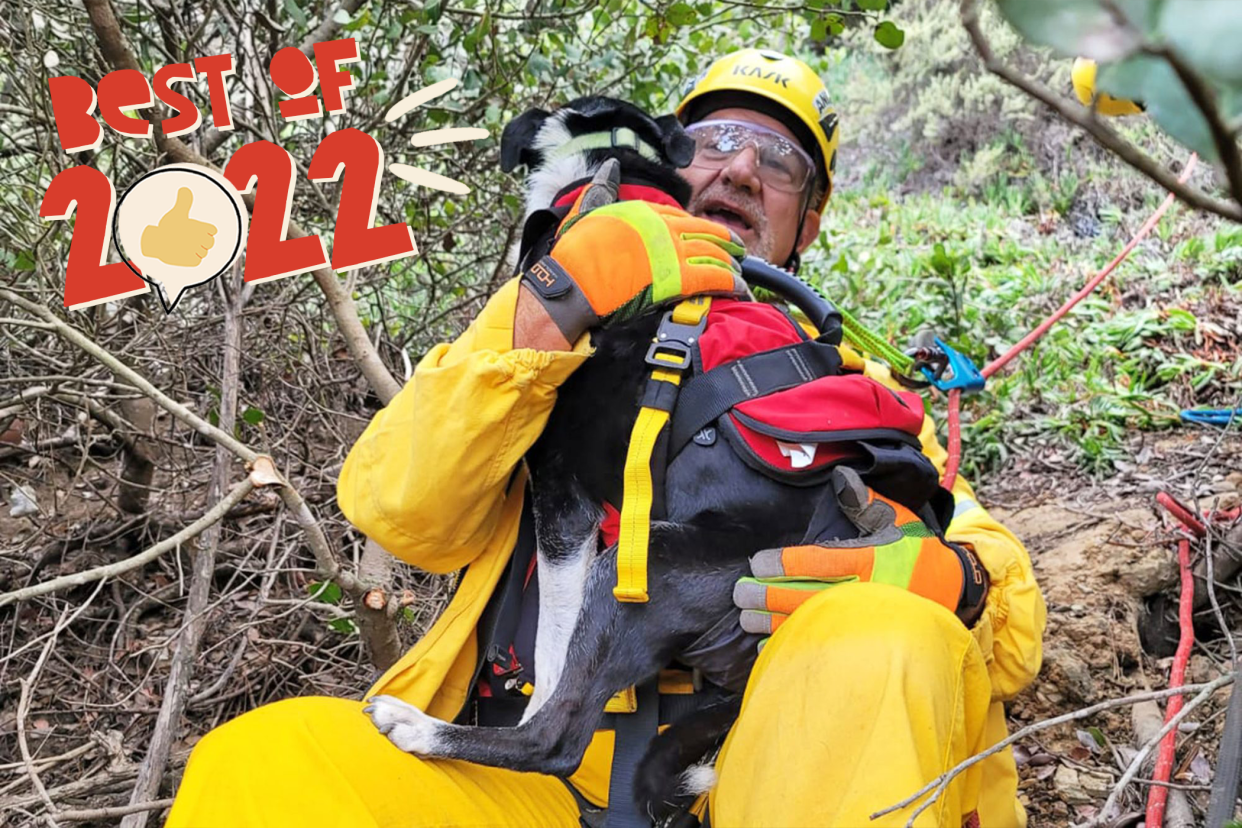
point(516, 140)
point(678, 146)
point(810, 230)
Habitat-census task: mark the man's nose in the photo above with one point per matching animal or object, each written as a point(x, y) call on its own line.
point(742, 171)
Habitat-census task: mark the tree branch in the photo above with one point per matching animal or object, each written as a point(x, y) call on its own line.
point(1085, 119)
point(172, 705)
point(1205, 99)
point(234, 496)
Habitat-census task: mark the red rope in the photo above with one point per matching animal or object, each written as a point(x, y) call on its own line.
point(1158, 794)
point(955, 437)
point(1183, 514)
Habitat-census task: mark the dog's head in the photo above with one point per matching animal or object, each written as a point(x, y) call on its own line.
point(567, 146)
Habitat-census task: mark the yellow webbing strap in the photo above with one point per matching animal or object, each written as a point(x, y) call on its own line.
point(638, 490)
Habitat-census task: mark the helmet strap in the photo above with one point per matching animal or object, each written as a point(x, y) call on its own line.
point(794, 262)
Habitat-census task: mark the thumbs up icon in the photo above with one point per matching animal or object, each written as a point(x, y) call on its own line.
point(178, 239)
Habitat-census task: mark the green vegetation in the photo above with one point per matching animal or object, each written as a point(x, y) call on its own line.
point(981, 274)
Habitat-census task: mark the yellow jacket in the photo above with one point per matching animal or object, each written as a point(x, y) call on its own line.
point(436, 480)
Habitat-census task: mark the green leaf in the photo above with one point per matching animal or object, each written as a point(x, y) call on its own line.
point(252, 415)
point(24, 261)
point(1152, 81)
point(539, 65)
point(295, 11)
point(1207, 34)
point(327, 592)
point(681, 14)
point(873, 5)
point(1098, 736)
point(1079, 27)
point(341, 17)
point(836, 24)
point(889, 36)
point(819, 29)
point(345, 626)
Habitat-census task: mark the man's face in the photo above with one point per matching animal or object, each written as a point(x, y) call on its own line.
point(733, 195)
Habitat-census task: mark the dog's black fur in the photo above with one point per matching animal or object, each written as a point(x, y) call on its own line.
point(717, 513)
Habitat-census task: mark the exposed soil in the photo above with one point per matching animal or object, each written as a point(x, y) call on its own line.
point(1099, 548)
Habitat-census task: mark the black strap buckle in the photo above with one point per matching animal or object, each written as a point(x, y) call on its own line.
point(675, 339)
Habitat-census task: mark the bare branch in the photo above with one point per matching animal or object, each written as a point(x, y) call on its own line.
point(213, 515)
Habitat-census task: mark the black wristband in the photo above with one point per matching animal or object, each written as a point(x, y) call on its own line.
point(975, 584)
point(560, 295)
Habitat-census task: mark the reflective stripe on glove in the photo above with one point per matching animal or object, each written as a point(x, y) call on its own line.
point(895, 547)
point(611, 262)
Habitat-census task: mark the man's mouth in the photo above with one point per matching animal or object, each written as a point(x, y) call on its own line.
point(735, 220)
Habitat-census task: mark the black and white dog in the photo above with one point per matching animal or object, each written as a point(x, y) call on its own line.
point(717, 513)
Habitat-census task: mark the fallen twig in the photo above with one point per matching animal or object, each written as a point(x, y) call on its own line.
point(88, 814)
point(941, 783)
point(1137, 762)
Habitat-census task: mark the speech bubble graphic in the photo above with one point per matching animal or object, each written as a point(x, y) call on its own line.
point(179, 226)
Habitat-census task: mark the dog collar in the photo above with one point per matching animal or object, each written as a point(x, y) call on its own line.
point(627, 192)
point(615, 138)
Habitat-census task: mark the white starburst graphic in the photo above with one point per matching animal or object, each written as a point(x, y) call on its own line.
point(418, 176)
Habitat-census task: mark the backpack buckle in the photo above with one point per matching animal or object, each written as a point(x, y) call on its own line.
point(674, 343)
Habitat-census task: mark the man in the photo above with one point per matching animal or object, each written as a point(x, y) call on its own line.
point(867, 691)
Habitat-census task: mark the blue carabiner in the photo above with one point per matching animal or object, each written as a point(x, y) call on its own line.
point(1212, 416)
point(964, 375)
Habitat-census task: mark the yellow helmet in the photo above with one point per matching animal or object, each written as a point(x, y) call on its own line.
point(776, 85)
point(1083, 77)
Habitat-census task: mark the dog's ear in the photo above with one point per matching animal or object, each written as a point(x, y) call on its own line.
point(515, 141)
point(678, 146)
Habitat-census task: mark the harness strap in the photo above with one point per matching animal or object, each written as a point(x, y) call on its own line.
point(659, 399)
point(634, 732)
point(499, 622)
point(710, 394)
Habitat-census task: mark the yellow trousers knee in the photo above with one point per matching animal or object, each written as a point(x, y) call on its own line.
point(318, 762)
point(864, 695)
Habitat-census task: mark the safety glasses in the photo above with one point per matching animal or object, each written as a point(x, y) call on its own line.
point(781, 164)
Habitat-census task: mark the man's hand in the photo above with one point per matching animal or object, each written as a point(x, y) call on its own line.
point(894, 547)
point(611, 262)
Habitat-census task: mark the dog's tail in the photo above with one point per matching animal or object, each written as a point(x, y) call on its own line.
point(679, 766)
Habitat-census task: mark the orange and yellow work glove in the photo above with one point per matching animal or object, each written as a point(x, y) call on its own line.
point(610, 263)
point(894, 547)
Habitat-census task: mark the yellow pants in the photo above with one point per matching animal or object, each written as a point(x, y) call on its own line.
point(865, 694)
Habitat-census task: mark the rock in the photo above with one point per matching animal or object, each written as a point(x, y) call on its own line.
point(1068, 786)
point(1080, 788)
point(1152, 570)
point(1070, 673)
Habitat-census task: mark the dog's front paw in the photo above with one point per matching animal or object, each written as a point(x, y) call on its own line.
point(406, 726)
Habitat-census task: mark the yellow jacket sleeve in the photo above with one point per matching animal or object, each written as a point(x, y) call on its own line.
point(427, 478)
point(1010, 633)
